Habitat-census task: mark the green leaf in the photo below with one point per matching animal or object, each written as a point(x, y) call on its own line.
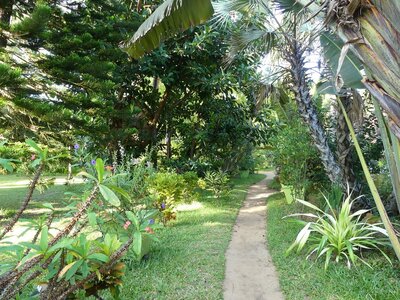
point(120, 191)
point(99, 256)
point(92, 219)
point(47, 205)
point(137, 243)
point(6, 164)
point(350, 69)
point(109, 195)
point(374, 191)
point(100, 169)
point(132, 217)
point(35, 146)
point(73, 269)
point(67, 269)
point(10, 248)
point(85, 174)
point(168, 19)
point(44, 238)
point(64, 243)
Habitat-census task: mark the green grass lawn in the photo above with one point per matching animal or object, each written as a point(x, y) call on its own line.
point(189, 262)
point(12, 193)
point(302, 279)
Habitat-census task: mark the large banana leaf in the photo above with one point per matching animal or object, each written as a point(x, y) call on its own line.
point(350, 70)
point(169, 18)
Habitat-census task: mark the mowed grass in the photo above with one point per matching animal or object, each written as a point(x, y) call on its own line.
point(189, 261)
point(302, 279)
point(13, 192)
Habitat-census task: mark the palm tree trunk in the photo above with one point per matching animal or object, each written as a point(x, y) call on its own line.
point(343, 141)
point(309, 114)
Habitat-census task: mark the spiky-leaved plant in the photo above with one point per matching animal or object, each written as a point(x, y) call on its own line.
point(338, 235)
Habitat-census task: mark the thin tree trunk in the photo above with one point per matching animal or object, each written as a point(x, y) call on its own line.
point(344, 143)
point(168, 143)
point(309, 114)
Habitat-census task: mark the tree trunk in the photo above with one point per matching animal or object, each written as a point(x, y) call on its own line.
point(344, 143)
point(6, 8)
point(168, 143)
point(309, 114)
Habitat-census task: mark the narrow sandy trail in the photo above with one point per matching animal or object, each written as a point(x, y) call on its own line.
point(250, 274)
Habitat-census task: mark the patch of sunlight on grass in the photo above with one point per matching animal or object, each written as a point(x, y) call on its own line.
point(191, 206)
point(213, 224)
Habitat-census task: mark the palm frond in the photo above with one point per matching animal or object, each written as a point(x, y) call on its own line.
point(169, 18)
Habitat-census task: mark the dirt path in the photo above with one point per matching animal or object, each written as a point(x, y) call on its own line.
point(250, 274)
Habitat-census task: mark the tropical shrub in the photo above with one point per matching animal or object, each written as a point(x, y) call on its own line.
point(168, 189)
point(295, 158)
point(338, 235)
point(217, 183)
point(81, 257)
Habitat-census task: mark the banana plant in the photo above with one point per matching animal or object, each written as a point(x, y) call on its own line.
point(169, 18)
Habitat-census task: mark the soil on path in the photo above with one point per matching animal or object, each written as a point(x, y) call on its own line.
point(250, 274)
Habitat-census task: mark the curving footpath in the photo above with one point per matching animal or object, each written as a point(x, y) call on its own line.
point(250, 273)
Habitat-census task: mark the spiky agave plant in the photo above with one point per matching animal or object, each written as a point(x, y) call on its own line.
point(339, 235)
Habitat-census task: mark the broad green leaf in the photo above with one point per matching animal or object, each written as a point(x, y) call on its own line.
point(44, 238)
point(350, 69)
point(85, 174)
point(35, 146)
point(47, 205)
point(10, 248)
point(120, 191)
point(99, 256)
point(100, 169)
point(92, 219)
point(137, 243)
point(374, 191)
point(109, 195)
point(64, 243)
point(73, 269)
point(132, 217)
point(168, 19)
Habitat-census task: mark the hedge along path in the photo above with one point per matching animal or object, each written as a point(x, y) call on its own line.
point(250, 273)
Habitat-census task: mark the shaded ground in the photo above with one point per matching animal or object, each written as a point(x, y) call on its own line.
point(250, 274)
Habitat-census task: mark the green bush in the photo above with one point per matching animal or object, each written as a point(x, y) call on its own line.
point(168, 189)
point(217, 183)
point(295, 157)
